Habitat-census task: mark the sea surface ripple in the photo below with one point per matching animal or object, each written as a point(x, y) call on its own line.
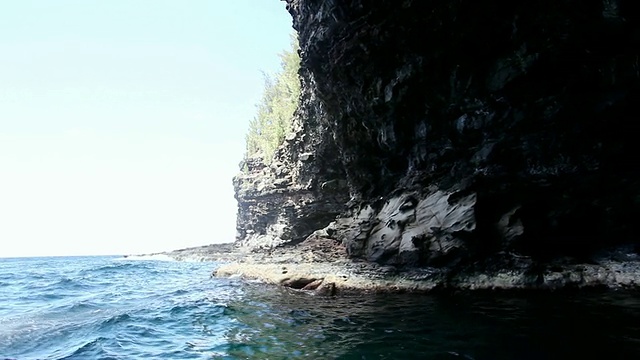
point(113, 308)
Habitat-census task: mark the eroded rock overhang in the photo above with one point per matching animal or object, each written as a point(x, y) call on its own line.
point(452, 133)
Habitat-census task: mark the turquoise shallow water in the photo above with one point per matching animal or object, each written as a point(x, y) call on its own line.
point(108, 308)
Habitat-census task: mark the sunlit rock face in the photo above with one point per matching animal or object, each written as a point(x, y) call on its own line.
point(459, 132)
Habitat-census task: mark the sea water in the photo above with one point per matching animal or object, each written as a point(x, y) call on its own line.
point(115, 308)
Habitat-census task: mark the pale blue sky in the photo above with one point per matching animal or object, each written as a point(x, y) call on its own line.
point(123, 121)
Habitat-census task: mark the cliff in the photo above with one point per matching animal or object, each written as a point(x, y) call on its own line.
point(468, 137)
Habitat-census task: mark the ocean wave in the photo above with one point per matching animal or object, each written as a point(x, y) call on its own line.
point(67, 283)
point(156, 257)
point(117, 266)
point(115, 320)
point(182, 309)
point(83, 306)
point(64, 282)
point(90, 350)
point(179, 292)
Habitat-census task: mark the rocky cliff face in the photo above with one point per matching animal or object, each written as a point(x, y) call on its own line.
point(301, 190)
point(458, 134)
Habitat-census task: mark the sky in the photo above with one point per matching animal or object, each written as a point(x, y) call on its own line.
point(122, 122)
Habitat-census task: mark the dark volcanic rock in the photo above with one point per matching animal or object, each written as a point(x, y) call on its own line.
point(301, 191)
point(466, 135)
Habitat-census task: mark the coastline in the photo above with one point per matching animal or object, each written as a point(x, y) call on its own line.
point(321, 266)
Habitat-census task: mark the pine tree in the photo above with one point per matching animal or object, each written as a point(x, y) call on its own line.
point(275, 111)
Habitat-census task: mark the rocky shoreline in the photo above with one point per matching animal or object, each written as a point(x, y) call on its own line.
point(433, 148)
point(321, 266)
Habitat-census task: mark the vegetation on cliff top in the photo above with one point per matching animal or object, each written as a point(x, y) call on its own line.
point(275, 110)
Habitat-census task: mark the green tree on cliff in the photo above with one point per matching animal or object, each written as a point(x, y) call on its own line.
point(275, 110)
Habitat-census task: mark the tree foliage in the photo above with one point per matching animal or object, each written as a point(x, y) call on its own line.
point(275, 110)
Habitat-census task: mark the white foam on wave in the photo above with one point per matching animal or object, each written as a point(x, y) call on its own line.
point(155, 257)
